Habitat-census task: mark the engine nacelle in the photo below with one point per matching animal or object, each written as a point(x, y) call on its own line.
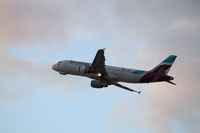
point(98, 84)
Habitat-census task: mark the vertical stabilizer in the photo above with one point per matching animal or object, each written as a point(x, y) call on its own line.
point(165, 65)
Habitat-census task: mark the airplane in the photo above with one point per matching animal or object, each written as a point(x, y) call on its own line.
point(104, 75)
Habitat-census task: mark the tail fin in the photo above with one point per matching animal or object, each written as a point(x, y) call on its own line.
point(165, 66)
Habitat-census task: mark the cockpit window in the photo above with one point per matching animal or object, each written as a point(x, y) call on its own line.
point(59, 63)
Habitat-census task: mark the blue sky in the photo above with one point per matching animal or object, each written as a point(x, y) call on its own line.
point(136, 34)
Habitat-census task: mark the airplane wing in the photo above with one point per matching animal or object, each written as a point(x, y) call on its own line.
point(99, 66)
point(124, 87)
point(99, 63)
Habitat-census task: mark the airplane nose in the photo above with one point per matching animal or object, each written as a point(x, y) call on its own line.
point(54, 66)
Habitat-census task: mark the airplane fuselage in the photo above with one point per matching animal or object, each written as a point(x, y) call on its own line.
point(118, 74)
point(104, 75)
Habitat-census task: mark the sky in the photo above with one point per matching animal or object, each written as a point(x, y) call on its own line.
point(139, 34)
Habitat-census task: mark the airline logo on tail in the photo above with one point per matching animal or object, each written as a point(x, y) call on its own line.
point(159, 73)
point(167, 63)
point(170, 59)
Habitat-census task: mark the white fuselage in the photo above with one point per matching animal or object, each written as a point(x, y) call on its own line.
point(118, 74)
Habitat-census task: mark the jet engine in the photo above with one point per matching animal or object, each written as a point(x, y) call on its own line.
point(98, 84)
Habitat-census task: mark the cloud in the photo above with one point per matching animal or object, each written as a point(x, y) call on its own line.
point(20, 78)
point(174, 29)
point(28, 22)
point(180, 103)
point(147, 30)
